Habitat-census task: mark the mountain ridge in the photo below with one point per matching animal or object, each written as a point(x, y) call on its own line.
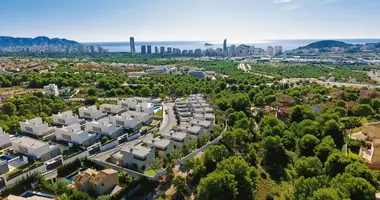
point(326, 44)
point(6, 41)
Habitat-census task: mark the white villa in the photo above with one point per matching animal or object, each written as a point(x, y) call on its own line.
point(91, 112)
point(111, 109)
point(145, 107)
point(131, 103)
point(66, 118)
point(137, 157)
point(205, 124)
point(195, 132)
point(126, 121)
point(35, 148)
point(4, 139)
point(51, 89)
point(146, 118)
point(162, 147)
point(179, 138)
point(74, 134)
point(36, 127)
point(104, 127)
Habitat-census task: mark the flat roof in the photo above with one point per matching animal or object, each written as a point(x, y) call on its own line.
point(29, 142)
point(131, 112)
point(203, 123)
point(175, 134)
point(137, 150)
point(190, 128)
point(111, 105)
point(162, 143)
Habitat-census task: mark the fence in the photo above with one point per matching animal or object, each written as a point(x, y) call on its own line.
point(193, 154)
point(109, 145)
point(40, 169)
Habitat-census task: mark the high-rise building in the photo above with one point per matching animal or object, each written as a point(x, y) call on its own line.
point(169, 50)
point(232, 50)
point(156, 50)
point(143, 49)
point(132, 44)
point(278, 50)
point(162, 50)
point(270, 51)
point(149, 48)
point(225, 48)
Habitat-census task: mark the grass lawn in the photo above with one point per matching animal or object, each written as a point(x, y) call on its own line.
point(144, 128)
point(155, 121)
point(150, 173)
point(159, 113)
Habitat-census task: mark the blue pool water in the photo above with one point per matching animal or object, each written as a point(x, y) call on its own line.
point(7, 157)
point(156, 108)
point(31, 194)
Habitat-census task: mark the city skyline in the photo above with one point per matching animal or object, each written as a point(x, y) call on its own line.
point(241, 21)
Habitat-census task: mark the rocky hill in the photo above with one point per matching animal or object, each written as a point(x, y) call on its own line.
point(326, 44)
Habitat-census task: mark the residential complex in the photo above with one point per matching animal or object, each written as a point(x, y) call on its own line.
point(104, 127)
point(91, 112)
point(162, 147)
point(74, 134)
point(36, 127)
point(137, 157)
point(66, 118)
point(111, 109)
point(4, 139)
point(35, 149)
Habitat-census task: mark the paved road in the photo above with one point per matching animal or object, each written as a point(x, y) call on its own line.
point(168, 119)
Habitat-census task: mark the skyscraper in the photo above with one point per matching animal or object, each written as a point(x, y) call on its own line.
point(270, 51)
point(225, 48)
point(169, 50)
point(143, 49)
point(149, 48)
point(278, 50)
point(156, 50)
point(132, 44)
point(162, 50)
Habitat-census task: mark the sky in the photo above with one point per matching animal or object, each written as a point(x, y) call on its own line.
point(190, 20)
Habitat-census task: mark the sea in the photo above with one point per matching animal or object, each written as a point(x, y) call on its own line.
point(286, 44)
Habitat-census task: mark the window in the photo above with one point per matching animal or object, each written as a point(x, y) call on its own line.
point(119, 122)
point(28, 129)
point(102, 184)
point(107, 109)
point(66, 137)
point(87, 114)
point(23, 149)
point(61, 121)
point(97, 129)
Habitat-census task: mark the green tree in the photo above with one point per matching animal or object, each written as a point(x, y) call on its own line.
point(325, 148)
point(275, 157)
point(180, 183)
point(337, 162)
point(363, 110)
point(354, 187)
point(213, 155)
point(244, 174)
point(308, 167)
point(326, 194)
point(307, 144)
point(333, 129)
point(299, 113)
point(218, 185)
point(9, 108)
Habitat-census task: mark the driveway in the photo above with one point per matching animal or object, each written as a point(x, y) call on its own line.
point(168, 119)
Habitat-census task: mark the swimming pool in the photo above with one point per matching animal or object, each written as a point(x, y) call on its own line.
point(29, 194)
point(7, 157)
point(157, 108)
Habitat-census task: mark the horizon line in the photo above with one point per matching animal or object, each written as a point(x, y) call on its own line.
point(254, 41)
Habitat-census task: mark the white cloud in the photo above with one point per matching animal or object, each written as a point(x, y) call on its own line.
point(282, 1)
point(291, 7)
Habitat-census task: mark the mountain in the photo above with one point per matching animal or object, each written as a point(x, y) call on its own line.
point(326, 44)
point(6, 41)
point(208, 44)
